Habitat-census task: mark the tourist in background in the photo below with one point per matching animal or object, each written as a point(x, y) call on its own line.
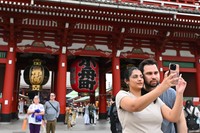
point(21, 106)
point(68, 117)
point(115, 125)
point(86, 115)
point(35, 113)
point(52, 111)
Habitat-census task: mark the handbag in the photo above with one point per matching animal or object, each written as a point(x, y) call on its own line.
point(24, 124)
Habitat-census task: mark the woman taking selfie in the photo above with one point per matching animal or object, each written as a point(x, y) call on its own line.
point(144, 113)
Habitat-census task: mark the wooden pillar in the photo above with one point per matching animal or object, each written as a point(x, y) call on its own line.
point(197, 62)
point(53, 81)
point(102, 96)
point(61, 84)
point(158, 58)
point(16, 94)
point(8, 87)
point(116, 74)
point(9, 78)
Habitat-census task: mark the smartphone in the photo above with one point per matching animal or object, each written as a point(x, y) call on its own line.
point(174, 68)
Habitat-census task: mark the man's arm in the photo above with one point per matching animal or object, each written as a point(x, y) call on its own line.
point(181, 124)
point(45, 106)
point(58, 110)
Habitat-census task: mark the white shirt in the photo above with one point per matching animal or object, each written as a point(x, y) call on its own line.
point(33, 107)
point(146, 121)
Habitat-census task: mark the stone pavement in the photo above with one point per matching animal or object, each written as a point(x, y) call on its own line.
point(102, 126)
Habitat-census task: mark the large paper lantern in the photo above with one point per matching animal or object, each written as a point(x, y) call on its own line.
point(84, 76)
point(36, 75)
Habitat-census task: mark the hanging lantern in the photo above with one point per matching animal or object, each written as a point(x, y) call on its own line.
point(36, 75)
point(84, 75)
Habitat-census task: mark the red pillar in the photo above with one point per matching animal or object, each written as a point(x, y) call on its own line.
point(198, 75)
point(16, 94)
point(102, 96)
point(158, 58)
point(116, 75)
point(61, 84)
point(8, 86)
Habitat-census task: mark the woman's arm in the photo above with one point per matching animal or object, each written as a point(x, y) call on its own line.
point(181, 124)
point(41, 113)
point(138, 104)
point(30, 111)
point(173, 115)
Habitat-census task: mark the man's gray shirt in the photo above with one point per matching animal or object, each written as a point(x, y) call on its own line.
point(168, 97)
point(50, 112)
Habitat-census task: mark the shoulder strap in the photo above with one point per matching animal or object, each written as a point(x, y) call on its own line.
point(53, 107)
point(193, 110)
point(189, 113)
point(186, 111)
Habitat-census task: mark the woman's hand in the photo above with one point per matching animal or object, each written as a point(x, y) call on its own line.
point(171, 80)
point(180, 87)
point(36, 114)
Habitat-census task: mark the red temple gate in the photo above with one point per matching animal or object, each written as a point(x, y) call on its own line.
point(114, 32)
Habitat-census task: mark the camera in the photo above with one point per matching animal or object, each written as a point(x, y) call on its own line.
point(172, 66)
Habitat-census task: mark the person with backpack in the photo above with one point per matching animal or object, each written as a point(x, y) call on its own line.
point(192, 115)
point(115, 125)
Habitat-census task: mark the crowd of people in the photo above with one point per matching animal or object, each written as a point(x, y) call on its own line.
point(87, 111)
point(46, 114)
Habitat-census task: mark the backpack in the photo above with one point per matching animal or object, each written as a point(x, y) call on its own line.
point(91, 113)
point(115, 115)
point(191, 120)
point(115, 119)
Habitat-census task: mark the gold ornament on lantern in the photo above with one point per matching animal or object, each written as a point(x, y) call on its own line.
point(36, 75)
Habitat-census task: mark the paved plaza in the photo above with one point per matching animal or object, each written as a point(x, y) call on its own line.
point(102, 126)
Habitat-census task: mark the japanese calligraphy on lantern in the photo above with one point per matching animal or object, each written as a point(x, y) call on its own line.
point(36, 75)
point(84, 75)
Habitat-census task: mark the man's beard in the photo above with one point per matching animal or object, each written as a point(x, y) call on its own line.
point(150, 87)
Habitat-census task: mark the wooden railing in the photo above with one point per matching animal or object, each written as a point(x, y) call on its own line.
point(183, 1)
point(175, 4)
point(176, 1)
